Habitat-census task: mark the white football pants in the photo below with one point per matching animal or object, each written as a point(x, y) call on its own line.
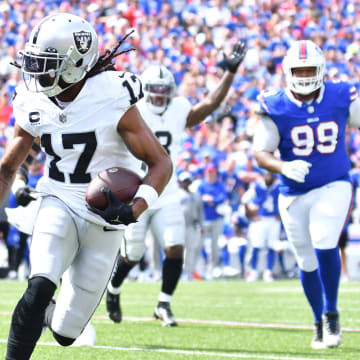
point(265, 232)
point(81, 253)
point(315, 220)
point(167, 225)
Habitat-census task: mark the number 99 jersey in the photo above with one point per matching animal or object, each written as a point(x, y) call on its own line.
point(82, 139)
point(312, 132)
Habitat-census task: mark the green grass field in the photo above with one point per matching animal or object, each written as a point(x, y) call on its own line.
point(217, 320)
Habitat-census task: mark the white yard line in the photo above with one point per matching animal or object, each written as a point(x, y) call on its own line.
point(226, 323)
point(190, 353)
point(215, 322)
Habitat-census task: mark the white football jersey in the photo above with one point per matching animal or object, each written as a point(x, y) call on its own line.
point(82, 139)
point(168, 128)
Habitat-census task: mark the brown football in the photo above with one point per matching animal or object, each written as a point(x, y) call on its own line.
point(122, 182)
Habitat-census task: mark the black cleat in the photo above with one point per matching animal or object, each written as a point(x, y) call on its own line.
point(317, 341)
point(332, 332)
point(163, 313)
point(113, 307)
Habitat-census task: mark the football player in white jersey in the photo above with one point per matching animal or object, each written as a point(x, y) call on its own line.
point(261, 203)
point(307, 122)
point(167, 116)
point(83, 112)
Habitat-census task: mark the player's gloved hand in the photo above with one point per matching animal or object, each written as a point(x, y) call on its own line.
point(237, 56)
point(116, 212)
point(23, 195)
point(296, 170)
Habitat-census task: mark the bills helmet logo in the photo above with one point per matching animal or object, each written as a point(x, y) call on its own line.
point(83, 41)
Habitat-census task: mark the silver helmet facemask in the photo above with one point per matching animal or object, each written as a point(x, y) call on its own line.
point(159, 88)
point(41, 72)
point(159, 95)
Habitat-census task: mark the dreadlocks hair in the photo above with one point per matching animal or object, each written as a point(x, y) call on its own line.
point(15, 63)
point(104, 62)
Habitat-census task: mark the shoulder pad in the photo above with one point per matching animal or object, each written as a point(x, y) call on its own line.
point(260, 111)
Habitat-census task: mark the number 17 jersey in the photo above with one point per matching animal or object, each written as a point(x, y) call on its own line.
point(82, 139)
point(314, 132)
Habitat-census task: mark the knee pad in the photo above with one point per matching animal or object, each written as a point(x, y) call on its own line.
point(63, 340)
point(133, 245)
point(39, 293)
point(306, 259)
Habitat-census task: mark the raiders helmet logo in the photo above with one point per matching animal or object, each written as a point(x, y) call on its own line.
point(82, 41)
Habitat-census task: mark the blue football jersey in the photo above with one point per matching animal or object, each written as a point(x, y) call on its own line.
point(241, 221)
point(232, 184)
point(266, 198)
point(312, 132)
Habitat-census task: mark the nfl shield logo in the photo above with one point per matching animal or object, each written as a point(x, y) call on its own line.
point(62, 118)
point(82, 41)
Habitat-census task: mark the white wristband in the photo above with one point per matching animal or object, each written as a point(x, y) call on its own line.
point(148, 193)
point(17, 184)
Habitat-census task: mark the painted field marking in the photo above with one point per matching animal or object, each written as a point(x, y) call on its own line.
point(187, 352)
point(214, 322)
point(227, 323)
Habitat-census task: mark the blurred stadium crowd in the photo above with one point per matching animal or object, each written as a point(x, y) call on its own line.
point(188, 37)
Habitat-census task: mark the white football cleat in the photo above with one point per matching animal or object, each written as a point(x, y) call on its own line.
point(331, 329)
point(87, 337)
point(163, 312)
point(252, 276)
point(268, 276)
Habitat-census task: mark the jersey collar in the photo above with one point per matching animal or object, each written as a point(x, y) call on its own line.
point(300, 103)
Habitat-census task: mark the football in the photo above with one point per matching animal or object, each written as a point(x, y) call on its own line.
point(123, 183)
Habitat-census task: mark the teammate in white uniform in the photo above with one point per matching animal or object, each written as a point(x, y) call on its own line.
point(83, 112)
point(167, 116)
point(193, 210)
point(261, 202)
point(307, 122)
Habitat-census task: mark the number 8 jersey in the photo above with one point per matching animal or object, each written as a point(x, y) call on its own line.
point(314, 132)
point(168, 128)
point(81, 139)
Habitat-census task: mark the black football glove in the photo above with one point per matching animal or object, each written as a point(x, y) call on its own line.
point(116, 212)
point(237, 56)
point(23, 195)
